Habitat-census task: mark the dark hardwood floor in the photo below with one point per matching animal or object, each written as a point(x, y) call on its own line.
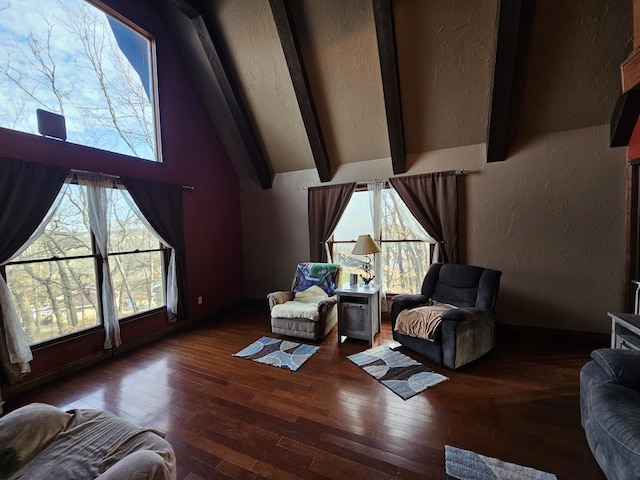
point(232, 418)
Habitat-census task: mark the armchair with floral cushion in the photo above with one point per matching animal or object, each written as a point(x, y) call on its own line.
point(309, 309)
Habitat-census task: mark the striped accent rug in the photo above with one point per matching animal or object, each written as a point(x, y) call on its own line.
point(466, 465)
point(403, 375)
point(278, 353)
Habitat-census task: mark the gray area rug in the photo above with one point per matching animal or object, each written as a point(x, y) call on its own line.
point(405, 376)
point(466, 465)
point(278, 353)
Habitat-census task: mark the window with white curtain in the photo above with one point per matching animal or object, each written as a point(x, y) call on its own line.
point(406, 247)
point(56, 282)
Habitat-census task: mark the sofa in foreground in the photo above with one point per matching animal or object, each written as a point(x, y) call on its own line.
point(39, 441)
point(610, 411)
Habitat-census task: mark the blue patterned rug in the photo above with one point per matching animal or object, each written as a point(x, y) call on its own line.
point(400, 373)
point(278, 353)
point(466, 465)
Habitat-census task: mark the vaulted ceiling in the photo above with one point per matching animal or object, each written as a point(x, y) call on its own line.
point(302, 84)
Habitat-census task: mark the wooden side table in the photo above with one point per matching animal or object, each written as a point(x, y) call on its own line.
point(358, 312)
point(625, 331)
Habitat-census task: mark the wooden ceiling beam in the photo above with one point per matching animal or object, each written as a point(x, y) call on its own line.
point(515, 18)
point(215, 50)
point(288, 39)
point(387, 52)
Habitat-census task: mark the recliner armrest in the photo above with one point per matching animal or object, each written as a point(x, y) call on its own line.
point(276, 298)
point(403, 302)
point(407, 300)
point(465, 313)
point(328, 301)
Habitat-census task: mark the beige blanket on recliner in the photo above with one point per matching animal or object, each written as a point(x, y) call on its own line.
point(422, 321)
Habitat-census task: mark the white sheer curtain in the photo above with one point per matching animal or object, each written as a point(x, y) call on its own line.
point(172, 278)
point(99, 191)
point(18, 344)
point(417, 229)
point(375, 202)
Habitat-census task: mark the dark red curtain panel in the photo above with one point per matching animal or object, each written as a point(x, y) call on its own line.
point(27, 191)
point(433, 200)
point(326, 206)
point(161, 204)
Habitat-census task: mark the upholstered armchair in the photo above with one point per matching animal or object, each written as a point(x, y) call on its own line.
point(466, 295)
point(309, 309)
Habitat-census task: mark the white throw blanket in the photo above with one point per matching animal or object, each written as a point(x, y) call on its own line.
point(304, 305)
point(422, 321)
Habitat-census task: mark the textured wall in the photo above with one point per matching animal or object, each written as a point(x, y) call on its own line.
point(573, 72)
point(552, 219)
point(445, 59)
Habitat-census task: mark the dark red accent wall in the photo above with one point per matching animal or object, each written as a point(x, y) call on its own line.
point(633, 150)
point(193, 155)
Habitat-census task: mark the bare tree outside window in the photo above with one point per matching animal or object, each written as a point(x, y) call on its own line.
point(71, 58)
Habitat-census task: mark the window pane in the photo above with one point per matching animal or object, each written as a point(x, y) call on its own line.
point(127, 232)
point(350, 263)
point(67, 234)
point(405, 265)
point(137, 282)
point(54, 298)
point(73, 59)
point(356, 219)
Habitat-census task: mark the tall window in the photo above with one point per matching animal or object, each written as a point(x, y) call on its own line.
point(84, 62)
point(405, 256)
point(56, 282)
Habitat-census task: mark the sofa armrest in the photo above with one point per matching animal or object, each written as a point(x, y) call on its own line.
point(620, 366)
point(276, 298)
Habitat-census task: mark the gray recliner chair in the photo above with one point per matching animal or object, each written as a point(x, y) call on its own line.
point(465, 333)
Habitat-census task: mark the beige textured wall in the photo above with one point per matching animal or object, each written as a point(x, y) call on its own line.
point(550, 217)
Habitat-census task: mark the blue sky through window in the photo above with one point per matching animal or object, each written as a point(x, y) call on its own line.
point(70, 58)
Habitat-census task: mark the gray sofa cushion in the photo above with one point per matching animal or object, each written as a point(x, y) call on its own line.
point(621, 366)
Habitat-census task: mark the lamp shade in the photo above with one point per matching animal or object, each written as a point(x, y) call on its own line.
point(365, 245)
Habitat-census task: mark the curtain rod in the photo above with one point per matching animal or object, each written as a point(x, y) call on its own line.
point(457, 172)
point(115, 177)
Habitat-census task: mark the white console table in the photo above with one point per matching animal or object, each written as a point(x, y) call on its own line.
point(625, 331)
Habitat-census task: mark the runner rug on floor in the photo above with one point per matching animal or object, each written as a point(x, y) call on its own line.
point(465, 465)
point(402, 374)
point(279, 353)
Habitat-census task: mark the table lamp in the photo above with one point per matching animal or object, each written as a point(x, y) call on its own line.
point(365, 245)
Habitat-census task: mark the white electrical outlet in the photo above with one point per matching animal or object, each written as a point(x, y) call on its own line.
point(199, 300)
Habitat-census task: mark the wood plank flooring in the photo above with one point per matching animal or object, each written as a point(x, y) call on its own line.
point(228, 417)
